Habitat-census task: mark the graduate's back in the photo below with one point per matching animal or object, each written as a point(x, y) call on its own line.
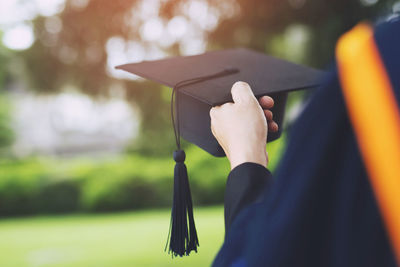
point(321, 210)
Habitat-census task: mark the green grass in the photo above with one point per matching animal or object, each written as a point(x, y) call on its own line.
point(121, 239)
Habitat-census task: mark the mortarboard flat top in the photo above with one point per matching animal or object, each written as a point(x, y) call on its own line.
point(265, 74)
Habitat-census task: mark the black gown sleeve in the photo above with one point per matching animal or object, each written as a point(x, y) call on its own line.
point(246, 185)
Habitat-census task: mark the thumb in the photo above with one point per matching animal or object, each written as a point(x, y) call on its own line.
point(242, 93)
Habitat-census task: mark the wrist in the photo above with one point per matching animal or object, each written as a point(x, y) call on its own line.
point(257, 155)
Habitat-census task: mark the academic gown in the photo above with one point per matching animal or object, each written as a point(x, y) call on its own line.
point(320, 209)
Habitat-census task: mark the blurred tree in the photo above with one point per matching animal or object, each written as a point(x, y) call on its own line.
point(262, 21)
point(71, 48)
point(3, 70)
point(74, 53)
point(6, 133)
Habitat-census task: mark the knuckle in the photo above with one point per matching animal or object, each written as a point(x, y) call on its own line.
point(226, 106)
point(249, 100)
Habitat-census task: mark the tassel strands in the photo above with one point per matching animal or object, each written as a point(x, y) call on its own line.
point(183, 234)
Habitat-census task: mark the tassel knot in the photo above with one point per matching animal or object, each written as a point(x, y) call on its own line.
point(179, 156)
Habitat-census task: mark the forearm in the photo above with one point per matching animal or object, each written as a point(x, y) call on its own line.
point(246, 185)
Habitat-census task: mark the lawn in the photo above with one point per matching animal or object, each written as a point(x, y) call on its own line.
point(119, 239)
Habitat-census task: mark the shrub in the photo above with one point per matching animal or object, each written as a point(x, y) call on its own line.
point(58, 197)
point(6, 132)
point(43, 185)
point(20, 184)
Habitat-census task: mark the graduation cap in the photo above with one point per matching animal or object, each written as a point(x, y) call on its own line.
point(200, 82)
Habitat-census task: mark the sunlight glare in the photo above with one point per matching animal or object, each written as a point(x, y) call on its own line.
point(49, 7)
point(19, 37)
point(152, 29)
point(177, 26)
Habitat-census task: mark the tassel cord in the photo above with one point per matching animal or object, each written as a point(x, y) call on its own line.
point(175, 98)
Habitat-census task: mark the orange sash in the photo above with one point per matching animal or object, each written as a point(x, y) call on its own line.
point(375, 117)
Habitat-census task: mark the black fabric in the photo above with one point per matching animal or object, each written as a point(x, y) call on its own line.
point(196, 99)
point(388, 43)
point(320, 210)
point(246, 185)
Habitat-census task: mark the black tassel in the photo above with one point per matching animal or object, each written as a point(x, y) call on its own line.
point(182, 233)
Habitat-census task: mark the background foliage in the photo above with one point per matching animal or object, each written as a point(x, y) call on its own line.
point(77, 54)
point(44, 186)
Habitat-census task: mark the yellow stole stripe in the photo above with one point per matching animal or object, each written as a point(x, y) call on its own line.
point(375, 117)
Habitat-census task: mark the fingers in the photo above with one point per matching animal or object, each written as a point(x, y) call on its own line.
point(242, 93)
point(266, 102)
point(272, 126)
point(268, 114)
